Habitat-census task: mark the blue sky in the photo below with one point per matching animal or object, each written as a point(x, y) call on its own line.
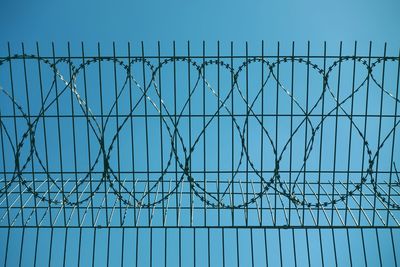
point(225, 20)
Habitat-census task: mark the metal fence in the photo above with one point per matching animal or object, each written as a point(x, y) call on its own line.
point(199, 158)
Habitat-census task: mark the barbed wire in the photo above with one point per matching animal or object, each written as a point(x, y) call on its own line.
point(179, 151)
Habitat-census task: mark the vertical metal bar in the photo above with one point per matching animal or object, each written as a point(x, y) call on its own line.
point(4, 168)
point(251, 247)
point(232, 136)
point(72, 84)
point(208, 247)
point(351, 131)
point(36, 246)
point(308, 247)
point(247, 135)
point(7, 246)
point(151, 246)
point(65, 246)
point(51, 244)
point(165, 246)
point(204, 135)
point(44, 131)
point(117, 127)
point(291, 134)
point(379, 129)
point(102, 124)
point(349, 246)
point(194, 247)
point(218, 135)
point(237, 247)
point(223, 246)
point(266, 247)
point(321, 139)
point(363, 247)
point(256, 202)
point(180, 247)
point(175, 125)
point(94, 247)
point(393, 139)
point(30, 133)
point(122, 246)
point(190, 132)
point(243, 199)
point(146, 132)
point(137, 247)
point(306, 128)
point(276, 128)
point(108, 245)
point(15, 126)
point(393, 247)
point(132, 133)
point(320, 246)
point(261, 130)
point(365, 126)
point(280, 247)
point(336, 134)
point(59, 131)
point(79, 246)
point(161, 127)
point(378, 247)
point(21, 247)
point(87, 129)
point(294, 246)
point(334, 246)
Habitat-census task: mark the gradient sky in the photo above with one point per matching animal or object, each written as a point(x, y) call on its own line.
point(180, 20)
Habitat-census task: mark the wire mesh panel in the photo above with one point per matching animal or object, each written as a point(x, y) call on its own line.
point(188, 148)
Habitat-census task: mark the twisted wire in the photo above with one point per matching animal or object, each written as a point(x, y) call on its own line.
point(177, 141)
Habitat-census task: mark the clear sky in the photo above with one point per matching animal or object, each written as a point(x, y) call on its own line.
point(181, 20)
